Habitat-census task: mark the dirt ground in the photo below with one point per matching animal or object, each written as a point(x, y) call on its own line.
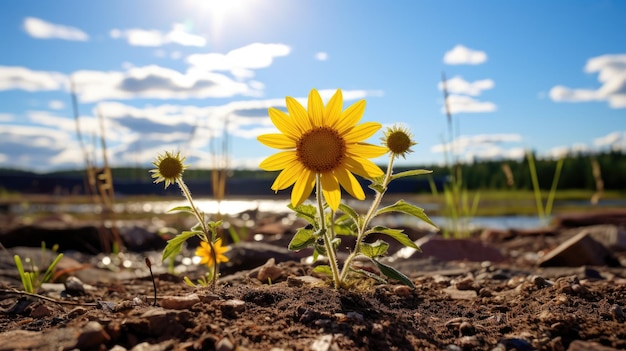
point(456, 305)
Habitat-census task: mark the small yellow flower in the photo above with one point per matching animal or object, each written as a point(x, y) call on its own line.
point(321, 140)
point(204, 252)
point(169, 168)
point(399, 140)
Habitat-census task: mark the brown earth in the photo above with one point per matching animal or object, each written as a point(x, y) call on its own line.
point(510, 304)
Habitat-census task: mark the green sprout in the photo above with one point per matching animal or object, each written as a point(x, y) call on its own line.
point(32, 281)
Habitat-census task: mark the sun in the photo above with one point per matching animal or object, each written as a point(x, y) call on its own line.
point(220, 13)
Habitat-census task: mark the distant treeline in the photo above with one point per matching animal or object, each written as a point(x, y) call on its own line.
point(577, 173)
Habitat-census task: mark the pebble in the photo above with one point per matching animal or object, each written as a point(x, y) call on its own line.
point(402, 291)
point(225, 344)
point(617, 313)
point(269, 272)
point(74, 286)
point(541, 282)
point(304, 280)
point(91, 335)
point(180, 302)
point(377, 329)
point(233, 306)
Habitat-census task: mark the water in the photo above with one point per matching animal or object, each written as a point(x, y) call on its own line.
point(278, 206)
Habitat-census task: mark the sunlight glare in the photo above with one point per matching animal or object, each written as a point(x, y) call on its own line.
point(220, 12)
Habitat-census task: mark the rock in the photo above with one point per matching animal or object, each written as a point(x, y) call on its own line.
point(304, 280)
point(611, 236)
point(88, 337)
point(456, 294)
point(233, 307)
point(580, 345)
point(451, 250)
point(180, 302)
point(249, 255)
point(159, 322)
point(616, 217)
point(225, 344)
point(74, 286)
point(91, 335)
point(269, 272)
point(580, 250)
point(82, 239)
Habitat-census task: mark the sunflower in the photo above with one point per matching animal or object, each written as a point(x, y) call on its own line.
point(399, 140)
point(325, 142)
point(169, 168)
point(204, 252)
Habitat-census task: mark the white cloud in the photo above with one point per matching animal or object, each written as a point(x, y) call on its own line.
point(56, 104)
point(13, 77)
point(611, 71)
point(180, 36)
point(461, 55)
point(483, 146)
point(321, 56)
point(613, 141)
point(466, 104)
point(88, 124)
point(562, 151)
point(458, 85)
point(153, 37)
point(157, 83)
point(34, 147)
point(253, 56)
point(38, 28)
point(6, 117)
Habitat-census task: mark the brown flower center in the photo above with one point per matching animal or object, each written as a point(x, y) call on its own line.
point(399, 142)
point(321, 149)
point(170, 167)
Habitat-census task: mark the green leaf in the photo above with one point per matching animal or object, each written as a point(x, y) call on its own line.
point(343, 229)
point(48, 275)
point(377, 187)
point(371, 275)
point(323, 269)
point(397, 234)
point(393, 274)
point(306, 212)
point(349, 211)
point(415, 172)
point(175, 244)
point(302, 239)
point(182, 208)
point(405, 207)
point(373, 250)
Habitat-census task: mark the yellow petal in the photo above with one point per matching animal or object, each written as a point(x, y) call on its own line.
point(350, 183)
point(278, 161)
point(331, 190)
point(288, 176)
point(332, 112)
point(282, 121)
point(277, 141)
point(351, 116)
point(366, 150)
point(316, 108)
point(298, 114)
point(363, 167)
point(303, 187)
point(362, 132)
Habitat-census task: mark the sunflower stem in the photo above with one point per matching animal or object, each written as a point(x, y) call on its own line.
point(368, 217)
point(200, 217)
point(330, 251)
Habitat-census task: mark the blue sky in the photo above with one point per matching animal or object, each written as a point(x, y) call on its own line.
point(174, 75)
